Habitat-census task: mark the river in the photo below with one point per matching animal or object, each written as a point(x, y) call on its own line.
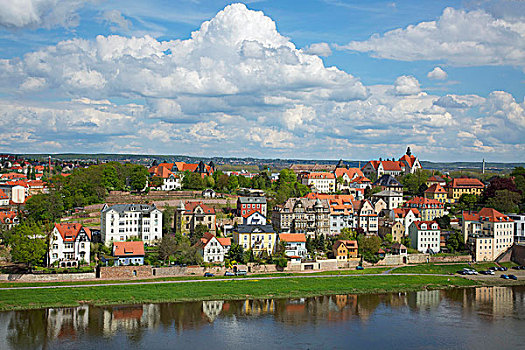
point(474, 318)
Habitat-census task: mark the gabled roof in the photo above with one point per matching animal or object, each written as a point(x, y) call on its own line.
point(207, 237)
point(401, 213)
point(70, 231)
point(387, 180)
point(190, 208)
point(7, 215)
point(3, 195)
point(436, 178)
point(465, 182)
point(435, 188)
point(351, 172)
point(292, 237)
point(121, 249)
point(251, 212)
point(321, 175)
point(255, 229)
point(409, 159)
point(428, 223)
point(347, 243)
point(225, 241)
point(424, 203)
point(487, 214)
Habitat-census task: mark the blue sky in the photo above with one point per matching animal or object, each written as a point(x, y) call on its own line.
point(290, 79)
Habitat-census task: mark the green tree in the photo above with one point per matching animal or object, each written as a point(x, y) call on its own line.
point(167, 219)
point(138, 178)
point(347, 234)
point(505, 201)
point(167, 247)
point(443, 222)
point(28, 245)
point(198, 233)
point(236, 253)
point(369, 244)
point(233, 183)
point(455, 242)
point(45, 207)
point(468, 201)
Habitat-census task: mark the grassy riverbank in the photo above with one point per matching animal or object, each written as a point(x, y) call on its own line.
point(222, 290)
point(368, 271)
point(439, 269)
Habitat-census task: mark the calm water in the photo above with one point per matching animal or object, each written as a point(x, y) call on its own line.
point(482, 318)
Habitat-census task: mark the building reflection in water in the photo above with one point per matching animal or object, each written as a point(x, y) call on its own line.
point(24, 329)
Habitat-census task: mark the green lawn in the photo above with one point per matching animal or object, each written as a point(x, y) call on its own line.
point(375, 270)
point(445, 268)
point(222, 290)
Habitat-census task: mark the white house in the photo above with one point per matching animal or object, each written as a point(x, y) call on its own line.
point(213, 249)
point(406, 216)
point(254, 218)
point(393, 199)
point(295, 244)
point(321, 182)
point(122, 221)
point(425, 236)
point(69, 245)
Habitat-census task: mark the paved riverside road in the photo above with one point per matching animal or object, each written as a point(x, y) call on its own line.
point(215, 280)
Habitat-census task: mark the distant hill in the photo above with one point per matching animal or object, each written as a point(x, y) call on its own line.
point(261, 163)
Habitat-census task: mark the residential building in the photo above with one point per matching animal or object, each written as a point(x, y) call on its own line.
point(379, 205)
point(69, 245)
point(254, 218)
point(438, 193)
point(519, 227)
point(394, 228)
point(303, 215)
point(393, 199)
point(489, 233)
point(399, 249)
point(201, 168)
point(191, 214)
point(407, 164)
point(344, 249)
point(247, 205)
point(347, 176)
point(128, 253)
point(435, 179)
point(121, 222)
point(425, 236)
point(211, 248)
point(406, 216)
point(295, 244)
point(4, 199)
point(259, 238)
point(322, 182)
point(388, 182)
point(8, 219)
point(428, 208)
point(365, 217)
point(463, 185)
point(170, 180)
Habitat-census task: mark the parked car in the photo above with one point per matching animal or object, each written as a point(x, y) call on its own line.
point(504, 277)
point(493, 268)
point(241, 273)
point(513, 277)
point(461, 272)
point(516, 267)
point(359, 267)
point(208, 274)
point(503, 268)
point(488, 272)
point(229, 273)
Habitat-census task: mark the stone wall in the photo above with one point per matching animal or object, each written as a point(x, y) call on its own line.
point(125, 272)
point(451, 259)
point(518, 254)
point(47, 277)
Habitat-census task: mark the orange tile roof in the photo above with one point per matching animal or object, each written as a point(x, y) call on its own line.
point(3, 195)
point(292, 237)
point(7, 215)
point(135, 248)
point(487, 214)
point(402, 212)
point(409, 159)
point(321, 175)
point(351, 172)
point(465, 182)
point(435, 188)
point(421, 202)
point(70, 231)
point(225, 241)
point(190, 207)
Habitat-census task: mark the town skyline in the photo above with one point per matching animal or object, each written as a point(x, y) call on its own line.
point(324, 80)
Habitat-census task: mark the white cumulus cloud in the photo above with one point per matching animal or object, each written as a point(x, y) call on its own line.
point(458, 37)
point(437, 74)
point(319, 49)
point(406, 85)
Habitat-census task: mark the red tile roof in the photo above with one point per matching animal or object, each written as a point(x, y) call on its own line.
point(487, 214)
point(292, 237)
point(321, 175)
point(225, 241)
point(351, 172)
point(135, 248)
point(429, 223)
point(402, 212)
point(410, 160)
point(3, 195)
point(7, 215)
point(424, 203)
point(69, 232)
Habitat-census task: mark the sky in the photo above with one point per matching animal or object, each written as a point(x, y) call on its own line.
point(325, 79)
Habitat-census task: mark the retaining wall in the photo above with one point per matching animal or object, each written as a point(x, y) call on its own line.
point(47, 277)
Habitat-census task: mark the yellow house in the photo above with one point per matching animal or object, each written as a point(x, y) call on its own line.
point(437, 192)
point(464, 185)
point(258, 238)
point(428, 208)
point(344, 249)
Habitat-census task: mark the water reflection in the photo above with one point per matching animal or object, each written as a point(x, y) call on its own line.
point(43, 328)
